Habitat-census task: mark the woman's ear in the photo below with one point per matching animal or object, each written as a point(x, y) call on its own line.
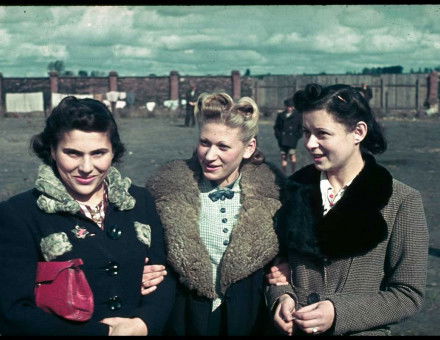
point(250, 148)
point(360, 132)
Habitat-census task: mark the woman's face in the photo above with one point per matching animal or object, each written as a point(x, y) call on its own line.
point(83, 159)
point(332, 147)
point(220, 152)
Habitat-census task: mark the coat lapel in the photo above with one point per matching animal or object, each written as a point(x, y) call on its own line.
point(352, 227)
point(253, 240)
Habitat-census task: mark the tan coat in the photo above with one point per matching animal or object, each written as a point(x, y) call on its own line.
point(253, 241)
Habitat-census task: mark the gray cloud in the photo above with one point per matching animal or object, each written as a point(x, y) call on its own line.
point(195, 40)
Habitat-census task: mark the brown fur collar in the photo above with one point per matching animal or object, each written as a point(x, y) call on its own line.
point(253, 241)
point(352, 227)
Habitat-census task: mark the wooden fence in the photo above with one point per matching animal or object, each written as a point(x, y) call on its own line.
point(392, 93)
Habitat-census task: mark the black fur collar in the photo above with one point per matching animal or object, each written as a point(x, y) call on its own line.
point(352, 227)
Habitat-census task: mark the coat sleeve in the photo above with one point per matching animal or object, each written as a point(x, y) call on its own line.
point(404, 275)
point(273, 293)
point(156, 306)
point(278, 127)
point(19, 254)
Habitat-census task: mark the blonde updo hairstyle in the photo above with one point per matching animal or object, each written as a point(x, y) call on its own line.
point(219, 107)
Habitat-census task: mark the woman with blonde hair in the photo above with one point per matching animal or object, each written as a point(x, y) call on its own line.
point(217, 210)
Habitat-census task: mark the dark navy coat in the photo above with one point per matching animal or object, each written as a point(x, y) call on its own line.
point(116, 292)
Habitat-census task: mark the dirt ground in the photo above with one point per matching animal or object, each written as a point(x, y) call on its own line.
point(412, 157)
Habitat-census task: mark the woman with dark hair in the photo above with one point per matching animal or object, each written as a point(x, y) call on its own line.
point(355, 237)
point(217, 209)
point(81, 207)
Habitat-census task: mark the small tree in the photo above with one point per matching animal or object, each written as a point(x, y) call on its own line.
point(82, 73)
point(57, 66)
point(95, 73)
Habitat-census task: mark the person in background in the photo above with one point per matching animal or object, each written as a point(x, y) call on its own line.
point(356, 238)
point(191, 97)
point(366, 92)
point(217, 209)
point(81, 207)
point(288, 130)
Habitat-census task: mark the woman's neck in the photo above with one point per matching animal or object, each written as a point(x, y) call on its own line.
point(229, 180)
point(338, 178)
point(92, 199)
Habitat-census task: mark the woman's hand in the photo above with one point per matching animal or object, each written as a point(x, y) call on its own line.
point(315, 318)
point(126, 326)
point(283, 314)
point(279, 274)
point(151, 277)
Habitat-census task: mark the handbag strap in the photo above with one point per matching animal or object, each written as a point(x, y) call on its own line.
point(47, 271)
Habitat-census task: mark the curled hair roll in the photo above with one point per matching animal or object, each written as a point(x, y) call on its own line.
point(219, 107)
point(211, 106)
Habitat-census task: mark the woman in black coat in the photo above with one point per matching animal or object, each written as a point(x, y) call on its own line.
point(81, 207)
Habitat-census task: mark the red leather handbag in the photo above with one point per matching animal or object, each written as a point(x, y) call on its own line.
point(62, 289)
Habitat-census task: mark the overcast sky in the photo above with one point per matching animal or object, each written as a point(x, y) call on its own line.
point(200, 40)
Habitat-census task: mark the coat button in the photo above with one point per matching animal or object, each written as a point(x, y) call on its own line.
point(225, 242)
point(112, 268)
point(224, 220)
point(114, 303)
point(313, 298)
point(225, 230)
point(114, 232)
point(222, 210)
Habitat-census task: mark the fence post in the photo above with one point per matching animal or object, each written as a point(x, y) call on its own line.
point(53, 76)
point(382, 94)
point(174, 85)
point(236, 84)
point(2, 107)
point(113, 86)
point(433, 88)
point(417, 95)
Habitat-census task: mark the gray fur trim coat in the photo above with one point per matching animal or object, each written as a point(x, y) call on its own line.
point(253, 241)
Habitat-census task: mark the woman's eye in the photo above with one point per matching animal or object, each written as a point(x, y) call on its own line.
point(72, 153)
point(224, 147)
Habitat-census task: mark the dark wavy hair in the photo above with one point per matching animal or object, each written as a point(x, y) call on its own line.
point(348, 106)
point(76, 114)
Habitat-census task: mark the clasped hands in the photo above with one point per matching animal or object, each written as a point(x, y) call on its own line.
point(311, 319)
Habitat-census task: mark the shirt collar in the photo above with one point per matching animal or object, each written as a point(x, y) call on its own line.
point(326, 185)
point(207, 186)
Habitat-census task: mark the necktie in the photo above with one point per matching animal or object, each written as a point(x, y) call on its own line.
point(221, 194)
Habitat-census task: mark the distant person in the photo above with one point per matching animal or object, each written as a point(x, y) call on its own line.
point(355, 237)
point(191, 97)
point(82, 207)
point(366, 92)
point(288, 130)
point(217, 209)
